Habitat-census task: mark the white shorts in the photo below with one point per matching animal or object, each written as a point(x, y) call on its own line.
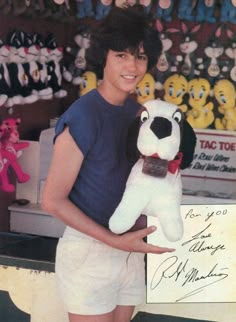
point(94, 278)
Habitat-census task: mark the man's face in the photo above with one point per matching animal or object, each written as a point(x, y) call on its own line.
point(124, 70)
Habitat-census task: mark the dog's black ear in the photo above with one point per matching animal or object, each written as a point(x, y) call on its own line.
point(132, 138)
point(187, 145)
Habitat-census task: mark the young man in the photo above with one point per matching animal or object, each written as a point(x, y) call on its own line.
point(101, 274)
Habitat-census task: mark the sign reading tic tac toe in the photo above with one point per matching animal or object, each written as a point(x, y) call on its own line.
point(203, 267)
point(215, 155)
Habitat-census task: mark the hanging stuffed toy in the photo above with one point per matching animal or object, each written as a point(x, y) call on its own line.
point(5, 184)
point(201, 115)
point(145, 89)
point(4, 74)
point(15, 69)
point(165, 64)
point(205, 11)
point(78, 61)
point(164, 9)
point(11, 123)
point(54, 67)
point(175, 90)
point(43, 88)
point(103, 7)
point(230, 52)
point(188, 48)
point(225, 94)
point(147, 5)
point(11, 140)
point(228, 11)
point(21, 93)
point(186, 9)
point(88, 82)
point(14, 8)
point(40, 75)
point(163, 142)
point(210, 67)
point(10, 150)
point(125, 3)
point(30, 65)
point(84, 8)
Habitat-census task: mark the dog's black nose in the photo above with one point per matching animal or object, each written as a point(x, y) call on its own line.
point(161, 127)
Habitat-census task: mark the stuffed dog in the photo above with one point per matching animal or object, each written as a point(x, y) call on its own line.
point(166, 143)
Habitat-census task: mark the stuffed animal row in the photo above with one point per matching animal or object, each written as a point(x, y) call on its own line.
point(30, 68)
point(214, 59)
point(207, 11)
point(10, 150)
point(191, 10)
point(204, 106)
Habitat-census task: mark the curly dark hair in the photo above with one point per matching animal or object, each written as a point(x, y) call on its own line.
point(123, 29)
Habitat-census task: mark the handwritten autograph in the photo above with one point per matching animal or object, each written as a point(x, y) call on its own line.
point(208, 215)
point(171, 268)
point(198, 242)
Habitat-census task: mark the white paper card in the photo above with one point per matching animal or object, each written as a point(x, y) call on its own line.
point(203, 267)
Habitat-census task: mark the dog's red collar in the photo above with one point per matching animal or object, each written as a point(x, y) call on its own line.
point(174, 165)
point(160, 167)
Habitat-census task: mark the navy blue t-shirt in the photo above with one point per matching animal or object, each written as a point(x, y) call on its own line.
point(100, 131)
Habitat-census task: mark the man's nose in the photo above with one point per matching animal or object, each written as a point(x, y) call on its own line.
point(132, 62)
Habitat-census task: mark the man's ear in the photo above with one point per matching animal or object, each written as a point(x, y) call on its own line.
point(187, 144)
point(132, 138)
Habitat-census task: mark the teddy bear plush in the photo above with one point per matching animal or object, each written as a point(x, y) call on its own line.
point(163, 142)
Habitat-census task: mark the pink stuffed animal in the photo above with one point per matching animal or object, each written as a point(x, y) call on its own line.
point(11, 123)
point(10, 150)
point(5, 185)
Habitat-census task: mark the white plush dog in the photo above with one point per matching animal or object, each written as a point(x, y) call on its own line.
point(166, 143)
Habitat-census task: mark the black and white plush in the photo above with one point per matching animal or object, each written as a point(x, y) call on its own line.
point(164, 143)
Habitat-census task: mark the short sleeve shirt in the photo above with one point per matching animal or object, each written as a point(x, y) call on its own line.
point(100, 131)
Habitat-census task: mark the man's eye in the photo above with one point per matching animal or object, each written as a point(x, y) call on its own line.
point(142, 57)
point(121, 55)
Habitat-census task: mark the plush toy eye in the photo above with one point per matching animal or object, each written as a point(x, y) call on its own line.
point(177, 116)
point(144, 116)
